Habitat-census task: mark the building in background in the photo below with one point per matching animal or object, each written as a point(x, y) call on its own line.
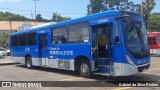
point(7, 27)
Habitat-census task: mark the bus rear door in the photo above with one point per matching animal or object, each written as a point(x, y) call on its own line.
point(43, 44)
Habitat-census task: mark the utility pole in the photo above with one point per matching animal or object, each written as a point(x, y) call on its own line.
point(35, 9)
point(10, 26)
point(32, 16)
point(142, 7)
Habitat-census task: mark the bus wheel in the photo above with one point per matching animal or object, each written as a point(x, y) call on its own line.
point(85, 69)
point(29, 62)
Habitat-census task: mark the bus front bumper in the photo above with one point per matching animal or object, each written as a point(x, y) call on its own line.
point(141, 68)
point(122, 69)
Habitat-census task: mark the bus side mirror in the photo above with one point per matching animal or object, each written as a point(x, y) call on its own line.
point(117, 40)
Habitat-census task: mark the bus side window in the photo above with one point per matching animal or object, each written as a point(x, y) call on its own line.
point(154, 40)
point(31, 39)
point(117, 35)
point(159, 38)
point(79, 32)
point(14, 41)
point(60, 35)
point(149, 40)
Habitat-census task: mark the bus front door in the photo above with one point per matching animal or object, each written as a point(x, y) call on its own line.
point(102, 48)
point(43, 40)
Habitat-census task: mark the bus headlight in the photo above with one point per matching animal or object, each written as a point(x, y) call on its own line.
point(129, 60)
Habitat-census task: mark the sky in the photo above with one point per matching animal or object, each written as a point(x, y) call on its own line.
point(66, 8)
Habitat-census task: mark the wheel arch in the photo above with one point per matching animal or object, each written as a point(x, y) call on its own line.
point(80, 58)
point(27, 55)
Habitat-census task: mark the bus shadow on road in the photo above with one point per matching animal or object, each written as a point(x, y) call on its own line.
point(140, 77)
point(5, 64)
point(53, 70)
point(154, 55)
point(137, 77)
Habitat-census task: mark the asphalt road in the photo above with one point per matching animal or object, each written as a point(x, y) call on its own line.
point(10, 71)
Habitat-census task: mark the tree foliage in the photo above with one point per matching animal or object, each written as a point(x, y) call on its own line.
point(4, 40)
point(154, 22)
point(96, 6)
point(39, 18)
point(7, 16)
point(10, 16)
point(57, 18)
point(148, 5)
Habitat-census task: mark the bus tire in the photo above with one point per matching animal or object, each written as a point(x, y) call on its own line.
point(85, 69)
point(29, 62)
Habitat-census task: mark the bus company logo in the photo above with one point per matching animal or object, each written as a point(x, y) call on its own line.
point(102, 20)
point(6, 84)
point(54, 48)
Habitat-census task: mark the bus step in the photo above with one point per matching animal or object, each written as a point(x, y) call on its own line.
point(105, 74)
point(104, 69)
point(44, 66)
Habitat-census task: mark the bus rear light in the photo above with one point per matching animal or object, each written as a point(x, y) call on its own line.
point(129, 60)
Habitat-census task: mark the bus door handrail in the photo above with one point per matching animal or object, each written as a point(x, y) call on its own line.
point(94, 48)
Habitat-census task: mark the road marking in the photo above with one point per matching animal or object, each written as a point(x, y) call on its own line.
point(69, 79)
point(123, 88)
point(151, 73)
point(154, 69)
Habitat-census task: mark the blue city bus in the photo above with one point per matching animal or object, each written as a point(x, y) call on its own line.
point(112, 43)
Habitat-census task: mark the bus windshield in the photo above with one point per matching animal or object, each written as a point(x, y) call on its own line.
point(135, 35)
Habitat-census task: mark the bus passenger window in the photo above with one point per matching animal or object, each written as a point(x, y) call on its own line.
point(159, 38)
point(153, 40)
point(149, 40)
point(14, 41)
point(79, 33)
point(63, 39)
point(22, 40)
point(60, 35)
point(31, 39)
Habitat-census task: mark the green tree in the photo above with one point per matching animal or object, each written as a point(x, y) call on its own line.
point(154, 22)
point(58, 18)
point(4, 38)
point(148, 5)
point(13, 17)
point(39, 18)
point(7, 16)
point(96, 6)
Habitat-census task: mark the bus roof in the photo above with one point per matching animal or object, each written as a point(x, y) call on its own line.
point(82, 19)
point(73, 21)
point(154, 33)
